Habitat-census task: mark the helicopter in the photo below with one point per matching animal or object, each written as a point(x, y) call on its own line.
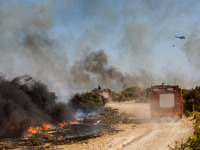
point(180, 37)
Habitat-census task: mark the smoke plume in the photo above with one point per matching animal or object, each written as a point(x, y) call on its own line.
point(25, 102)
point(192, 46)
point(94, 67)
point(27, 48)
point(50, 41)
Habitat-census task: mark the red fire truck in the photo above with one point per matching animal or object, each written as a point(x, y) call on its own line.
point(107, 93)
point(166, 101)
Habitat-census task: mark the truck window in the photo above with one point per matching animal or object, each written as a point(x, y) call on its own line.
point(166, 100)
point(106, 94)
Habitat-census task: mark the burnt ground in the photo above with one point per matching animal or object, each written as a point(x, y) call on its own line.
point(88, 126)
point(124, 125)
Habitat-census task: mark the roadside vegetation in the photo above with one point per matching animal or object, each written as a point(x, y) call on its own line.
point(193, 142)
point(191, 100)
point(133, 93)
point(191, 103)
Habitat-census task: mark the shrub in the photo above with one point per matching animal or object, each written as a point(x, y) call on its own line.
point(88, 101)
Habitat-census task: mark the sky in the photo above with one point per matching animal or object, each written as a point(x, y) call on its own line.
point(74, 45)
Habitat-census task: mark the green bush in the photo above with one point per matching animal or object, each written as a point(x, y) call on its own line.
point(88, 101)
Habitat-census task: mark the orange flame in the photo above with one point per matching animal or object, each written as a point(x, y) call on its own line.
point(62, 124)
point(34, 130)
point(65, 124)
point(73, 122)
point(46, 126)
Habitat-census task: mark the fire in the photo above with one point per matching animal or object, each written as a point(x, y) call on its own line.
point(34, 130)
point(65, 124)
point(62, 124)
point(46, 126)
point(73, 122)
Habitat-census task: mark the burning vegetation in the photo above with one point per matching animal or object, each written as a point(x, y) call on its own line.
point(31, 116)
point(26, 103)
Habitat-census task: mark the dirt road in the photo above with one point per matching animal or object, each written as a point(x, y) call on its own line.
point(140, 134)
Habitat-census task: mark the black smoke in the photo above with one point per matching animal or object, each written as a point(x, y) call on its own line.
point(94, 66)
point(25, 102)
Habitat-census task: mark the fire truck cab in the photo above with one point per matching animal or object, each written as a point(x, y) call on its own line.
point(166, 101)
point(107, 93)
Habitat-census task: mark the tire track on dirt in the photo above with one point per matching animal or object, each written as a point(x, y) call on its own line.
point(136, 139)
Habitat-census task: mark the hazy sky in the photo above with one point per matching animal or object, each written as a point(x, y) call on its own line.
point(78, 44)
